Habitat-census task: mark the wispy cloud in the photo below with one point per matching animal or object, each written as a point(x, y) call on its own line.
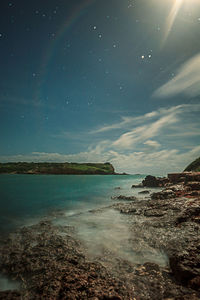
point(153, 144)
point(125, 121)
point(142, 133)
point(186, 81)
point(157, 162)
point(129, 121)
point(164, 140)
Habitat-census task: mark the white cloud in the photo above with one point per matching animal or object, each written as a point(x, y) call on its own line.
point(156, 162)
point(186, 81)
point(140, 134)
point(150, 146)
point(153, 144)
point(126, 121)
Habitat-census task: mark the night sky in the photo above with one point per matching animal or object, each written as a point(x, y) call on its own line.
point(98, 81)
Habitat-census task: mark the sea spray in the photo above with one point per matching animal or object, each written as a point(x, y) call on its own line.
point(106, 232)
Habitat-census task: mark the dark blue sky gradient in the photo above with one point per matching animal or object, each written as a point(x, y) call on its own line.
point(57, 90)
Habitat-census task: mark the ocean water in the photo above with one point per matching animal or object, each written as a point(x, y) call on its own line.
point(73, 201)
point(25, 199)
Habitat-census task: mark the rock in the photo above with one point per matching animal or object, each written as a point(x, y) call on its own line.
point(135, 186)
point(154, 213)
point(117, 188)
point(166, 194)
point(189, 214)
point(185, 266)
point(193, 186)
point(128, 211)
point(152, 181)
point(176, 177)
point(144, 192)
point(192, 176)
point(10, 295)
point(127, 198)
point(184, 177)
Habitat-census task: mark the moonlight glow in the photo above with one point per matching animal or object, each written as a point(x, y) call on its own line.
point(174, 12)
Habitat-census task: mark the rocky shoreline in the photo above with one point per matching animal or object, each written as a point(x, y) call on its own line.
point(51, 262)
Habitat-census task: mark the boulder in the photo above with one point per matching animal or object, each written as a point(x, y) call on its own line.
point(152, 181)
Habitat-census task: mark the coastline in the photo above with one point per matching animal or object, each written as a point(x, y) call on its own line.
point(60, 264)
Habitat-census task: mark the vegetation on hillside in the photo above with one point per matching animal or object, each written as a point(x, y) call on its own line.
point(56, 168)
point(194, 166)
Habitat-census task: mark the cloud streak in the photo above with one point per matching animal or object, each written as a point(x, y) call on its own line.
point(187, 80)
point(145, 132)
point(155, 143)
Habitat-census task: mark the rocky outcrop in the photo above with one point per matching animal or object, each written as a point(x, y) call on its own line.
point(163, 261)
point(152, 181)
point(194, 166)
point(51, 265)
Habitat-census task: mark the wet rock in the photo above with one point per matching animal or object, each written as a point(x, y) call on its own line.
point(126, 198)
point(154, 213)
point(185, 266)
point(117, 188)
point(175, 178)
point(144, 192)
point(193, 186)
point(191, 213)
point(152, 181)
point(128, 211)
point(192, 177)
point(10, 295)
point(140, 185)
point(165, 194)
point(55, 267)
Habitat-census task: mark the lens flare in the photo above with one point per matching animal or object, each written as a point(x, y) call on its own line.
point(188, 4)
point(171, 18)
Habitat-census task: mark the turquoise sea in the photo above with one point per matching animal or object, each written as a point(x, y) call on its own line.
point(27, 198)
point(67, 200)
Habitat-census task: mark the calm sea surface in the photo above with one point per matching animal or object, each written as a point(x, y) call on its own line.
point(27, 198)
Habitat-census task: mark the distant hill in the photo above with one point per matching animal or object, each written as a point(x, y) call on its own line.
point(57, 168)
point(194, 166)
